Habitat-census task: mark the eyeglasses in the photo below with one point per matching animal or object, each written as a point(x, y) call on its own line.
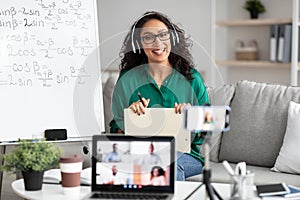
point(150, 38)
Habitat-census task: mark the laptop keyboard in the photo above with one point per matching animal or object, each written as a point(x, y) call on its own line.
point(127, 196)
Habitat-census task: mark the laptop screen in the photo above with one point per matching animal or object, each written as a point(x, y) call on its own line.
point(131, 163)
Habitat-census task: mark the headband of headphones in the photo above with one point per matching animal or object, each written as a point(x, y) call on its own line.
point(137, 43)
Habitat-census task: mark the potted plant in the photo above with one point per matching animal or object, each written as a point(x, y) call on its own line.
point(255, 7)
point(32, 158)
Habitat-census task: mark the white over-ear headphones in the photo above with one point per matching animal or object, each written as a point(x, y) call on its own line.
point(175, 38)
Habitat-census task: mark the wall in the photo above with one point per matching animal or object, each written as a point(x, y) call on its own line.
point(116, 18)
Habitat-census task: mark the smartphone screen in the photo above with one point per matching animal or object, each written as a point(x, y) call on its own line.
point(207, 118)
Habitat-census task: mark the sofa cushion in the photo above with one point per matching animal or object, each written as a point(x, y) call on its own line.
point(221, 95)
point(258, 121)
point(288, 158)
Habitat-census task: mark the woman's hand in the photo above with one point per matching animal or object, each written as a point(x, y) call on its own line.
point(179, 107)
point(138, 106)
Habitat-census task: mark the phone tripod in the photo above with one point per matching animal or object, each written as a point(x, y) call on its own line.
point(206, 115)
point(211, 192)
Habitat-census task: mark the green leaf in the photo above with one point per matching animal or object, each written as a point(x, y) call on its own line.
point(36, 156)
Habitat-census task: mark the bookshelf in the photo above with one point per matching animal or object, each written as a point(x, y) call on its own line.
point(253, 22)
point(249, 24)
point(254, 64)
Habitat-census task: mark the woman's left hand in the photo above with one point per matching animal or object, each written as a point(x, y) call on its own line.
point(179, 107)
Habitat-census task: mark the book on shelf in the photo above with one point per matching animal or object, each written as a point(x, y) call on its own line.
point(281, 43)
point(284, 43)
point(53, 176)
point(274, 32)
point(298, 43)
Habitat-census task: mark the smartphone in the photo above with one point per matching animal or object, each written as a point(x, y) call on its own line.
point(206, 118)
point(272, 189)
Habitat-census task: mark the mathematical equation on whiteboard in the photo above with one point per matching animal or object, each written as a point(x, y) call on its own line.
point(46, 43)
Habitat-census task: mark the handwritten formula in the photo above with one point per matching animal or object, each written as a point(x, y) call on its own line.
point(46, 43)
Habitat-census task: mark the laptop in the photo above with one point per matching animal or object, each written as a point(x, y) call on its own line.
point(158, 122)
point(131, 167)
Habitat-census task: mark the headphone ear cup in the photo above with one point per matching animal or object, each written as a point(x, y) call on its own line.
point(173, 38)
point(138, 46)
point(133, 46)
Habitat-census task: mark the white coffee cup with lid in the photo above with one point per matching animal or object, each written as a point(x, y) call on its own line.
point(71, 167)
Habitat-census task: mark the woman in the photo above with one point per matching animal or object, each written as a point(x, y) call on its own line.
point(157, 64)
point(157, 176)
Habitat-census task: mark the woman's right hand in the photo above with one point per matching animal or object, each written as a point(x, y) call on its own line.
point(138, 106)
point(179, 107)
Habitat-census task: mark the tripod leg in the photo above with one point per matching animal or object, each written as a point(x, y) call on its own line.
point(206, 181)
point(210, 191)
point(216, 193)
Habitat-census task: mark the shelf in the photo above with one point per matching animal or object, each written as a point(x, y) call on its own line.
point(253, 22)
point(252, 64)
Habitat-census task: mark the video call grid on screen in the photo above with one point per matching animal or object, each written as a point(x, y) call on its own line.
point(132, 162)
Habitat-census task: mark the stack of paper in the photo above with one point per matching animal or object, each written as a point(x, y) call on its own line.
point(86, 176)
point(53, 176)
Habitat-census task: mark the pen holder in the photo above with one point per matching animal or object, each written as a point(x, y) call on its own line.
point(242, 187)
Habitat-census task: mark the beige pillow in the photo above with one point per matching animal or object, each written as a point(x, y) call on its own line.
point(288, 159)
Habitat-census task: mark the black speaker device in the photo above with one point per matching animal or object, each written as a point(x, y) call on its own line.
point(55, 134)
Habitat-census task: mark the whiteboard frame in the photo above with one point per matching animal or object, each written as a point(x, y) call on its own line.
point(98, 93)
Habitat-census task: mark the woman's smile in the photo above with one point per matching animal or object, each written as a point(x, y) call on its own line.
point(159, 51)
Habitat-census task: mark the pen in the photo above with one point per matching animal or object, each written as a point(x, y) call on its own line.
point(140, 97)
point(229, 170)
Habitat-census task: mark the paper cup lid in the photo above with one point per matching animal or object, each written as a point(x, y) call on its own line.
point(71, 159)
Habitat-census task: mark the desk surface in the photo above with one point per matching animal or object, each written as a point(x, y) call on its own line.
point(50, 191)
point(69, 140)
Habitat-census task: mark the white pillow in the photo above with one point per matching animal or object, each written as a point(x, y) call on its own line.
point(288, 159)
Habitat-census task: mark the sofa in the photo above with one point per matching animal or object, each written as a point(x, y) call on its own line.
point(258, 132)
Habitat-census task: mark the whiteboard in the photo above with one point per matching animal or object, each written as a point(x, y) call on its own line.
point(49, 68)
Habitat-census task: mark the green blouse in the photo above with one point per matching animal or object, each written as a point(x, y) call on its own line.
point(175, 88)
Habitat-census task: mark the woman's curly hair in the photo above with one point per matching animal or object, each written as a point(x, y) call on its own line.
point(180, 56)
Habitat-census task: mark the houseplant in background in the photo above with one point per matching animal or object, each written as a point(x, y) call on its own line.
point(255, 7)
point(32, 158)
